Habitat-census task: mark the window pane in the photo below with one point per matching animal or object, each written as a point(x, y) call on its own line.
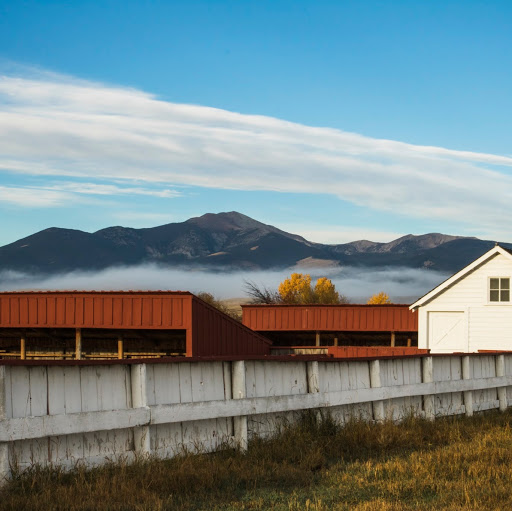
point(505, 296)
point(495, 283)
point(495, 296)
point(505, 283)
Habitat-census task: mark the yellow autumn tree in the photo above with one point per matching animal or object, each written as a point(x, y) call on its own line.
point(379, 299)
point(297, 289)
point(325, 292)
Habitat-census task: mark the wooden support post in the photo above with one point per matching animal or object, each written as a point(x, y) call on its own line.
point(468, 395)
point(378, 406)
point(120, 347)
point(502, 391)
point(239, 392)
point(392, 339)
point(409, 342)
point(23, 347)
point(4, 446)
point(428, 377)
point(141, 434)
point(317, 339)
point(336, 341)
point(78, 344)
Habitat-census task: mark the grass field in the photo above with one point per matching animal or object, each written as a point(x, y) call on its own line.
point(453, 464)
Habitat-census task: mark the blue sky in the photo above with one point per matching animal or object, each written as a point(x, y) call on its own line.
point(336, 120)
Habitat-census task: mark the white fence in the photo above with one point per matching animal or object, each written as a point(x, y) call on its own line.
point(66, 414)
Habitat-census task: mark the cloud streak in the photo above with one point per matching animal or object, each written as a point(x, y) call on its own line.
point(65, 128)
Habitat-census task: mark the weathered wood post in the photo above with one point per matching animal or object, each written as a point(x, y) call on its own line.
point(502, 391)
point(141, 434)
point(317, 339)
point(378, 406)
point(120, 347)
point(393, 339)
point(4, 446)
point(468, 394)
point(428, 377)
point(23, 346)
point(313, 377)
point(78, 344)
point(239, 392)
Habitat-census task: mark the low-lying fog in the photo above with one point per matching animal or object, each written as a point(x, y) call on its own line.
point(403, 285)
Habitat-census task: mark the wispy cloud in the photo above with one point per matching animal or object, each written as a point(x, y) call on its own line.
point(62, 193)
point(334, 234)
point(61, 127)
point(33, 197)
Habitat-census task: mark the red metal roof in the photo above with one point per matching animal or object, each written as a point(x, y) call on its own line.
point(208, 331)
point(334, 318)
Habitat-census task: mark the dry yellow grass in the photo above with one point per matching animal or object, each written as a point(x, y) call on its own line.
point(451, 464)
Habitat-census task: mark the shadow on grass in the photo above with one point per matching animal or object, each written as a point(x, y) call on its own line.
point(312, 456)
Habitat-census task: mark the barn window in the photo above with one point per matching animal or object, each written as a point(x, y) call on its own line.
point(499, 289)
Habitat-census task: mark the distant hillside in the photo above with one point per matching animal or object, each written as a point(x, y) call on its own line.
point(229, 240)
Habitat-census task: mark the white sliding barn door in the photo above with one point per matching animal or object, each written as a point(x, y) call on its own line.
point(447, 332)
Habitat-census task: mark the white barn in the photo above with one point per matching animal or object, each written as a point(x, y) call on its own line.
point(470, 311)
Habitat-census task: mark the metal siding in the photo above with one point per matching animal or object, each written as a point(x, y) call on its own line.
point(51, 310)
point(69, 313)
point(334, 318)
point(156, 317)
point(95, 310)
point(216, 334)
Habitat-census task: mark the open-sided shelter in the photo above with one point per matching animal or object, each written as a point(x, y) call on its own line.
point(107, 324)
point(301, 326)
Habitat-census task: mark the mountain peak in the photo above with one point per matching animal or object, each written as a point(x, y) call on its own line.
point(230, 221)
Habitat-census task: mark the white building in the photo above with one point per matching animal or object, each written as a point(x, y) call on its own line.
point(470, 311)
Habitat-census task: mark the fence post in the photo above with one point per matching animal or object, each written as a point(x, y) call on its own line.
point(428, 377)
point(239, 392)
point(4, 446)
point(378, 406)
point(313, 377)
point(468, 394)
point(141, 434)
point(502, 391)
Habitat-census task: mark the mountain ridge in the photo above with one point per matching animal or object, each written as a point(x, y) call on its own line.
point(228, 240)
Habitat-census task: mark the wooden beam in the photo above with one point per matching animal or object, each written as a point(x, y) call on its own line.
point(78, 344)
point(335, 341)
point(393, 338)
point(120, 347)
point(409, 342)
point(317, 339)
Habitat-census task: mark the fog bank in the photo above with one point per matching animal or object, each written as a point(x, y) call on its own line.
point(403, 285)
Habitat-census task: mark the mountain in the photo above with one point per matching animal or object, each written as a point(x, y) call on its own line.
point(228, 240)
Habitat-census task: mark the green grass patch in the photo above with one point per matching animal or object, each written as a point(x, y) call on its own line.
point(452, 464)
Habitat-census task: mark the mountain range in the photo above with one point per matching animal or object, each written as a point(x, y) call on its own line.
point(231, 241)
